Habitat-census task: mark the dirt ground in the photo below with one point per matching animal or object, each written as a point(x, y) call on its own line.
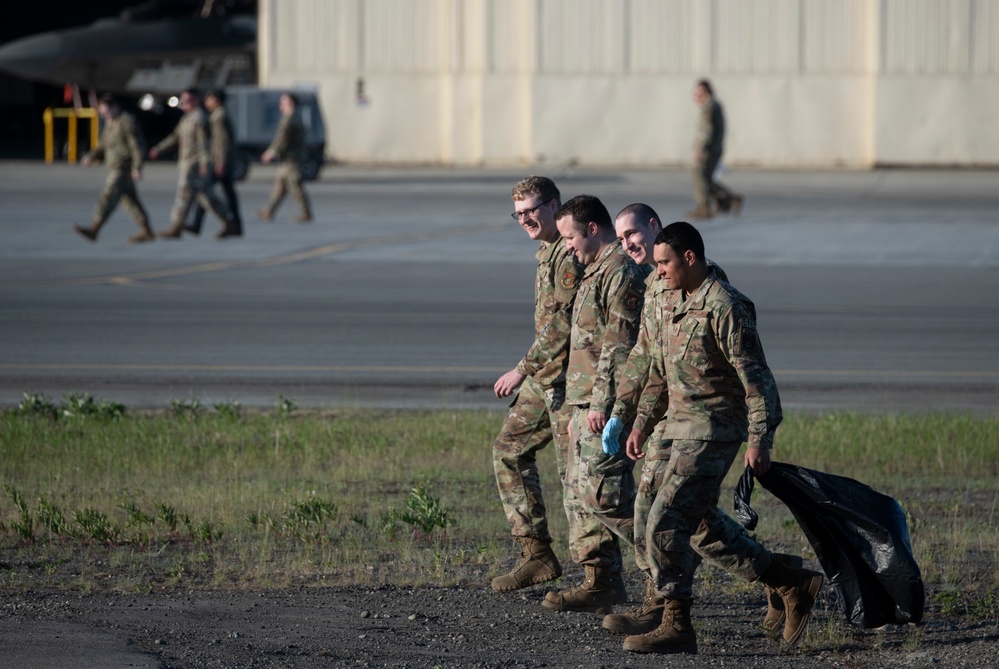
point(437, 627)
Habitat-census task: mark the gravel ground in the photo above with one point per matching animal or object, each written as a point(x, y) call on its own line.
point(437, 627)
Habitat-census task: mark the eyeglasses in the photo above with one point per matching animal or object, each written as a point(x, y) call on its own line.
point(527, 213)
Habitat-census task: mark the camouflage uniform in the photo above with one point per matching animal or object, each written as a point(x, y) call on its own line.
point(709, 144)
point(222, 152)
point(716, 384)
point(289, 147)
point(605, 323)
point(722, 541)
point(538, 414)
point(191, 139)
point(120, 148)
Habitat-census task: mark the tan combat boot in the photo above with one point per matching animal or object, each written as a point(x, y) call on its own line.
point(147, 235)
point(674, 635)
point(538, 564)
point(173, 232)
point(773, 621)
point(797, 589)
point(88, 233)
point(594, 595)
point(645, 618)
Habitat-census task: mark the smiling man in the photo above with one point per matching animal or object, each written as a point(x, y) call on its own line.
point(538, 415)
point(719, 392)
point(604, 327)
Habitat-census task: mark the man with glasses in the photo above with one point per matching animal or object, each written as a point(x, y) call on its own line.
point(539, 414)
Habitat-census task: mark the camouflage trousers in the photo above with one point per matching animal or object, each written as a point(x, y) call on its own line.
point(537, 417)
point(192, 186)
point(677, 519)
point(706, 188)
point(289, 180)
point(119, 187)
point(603, 487)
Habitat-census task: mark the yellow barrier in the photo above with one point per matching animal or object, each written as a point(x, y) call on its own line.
point(50, 114)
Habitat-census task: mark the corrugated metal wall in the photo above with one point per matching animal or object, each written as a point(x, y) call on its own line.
point(498, 59)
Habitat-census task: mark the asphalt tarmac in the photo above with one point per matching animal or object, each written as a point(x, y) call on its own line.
point(875, 290)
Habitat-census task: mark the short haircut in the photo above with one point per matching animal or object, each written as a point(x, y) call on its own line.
point(109, 99)
point(543, 187)
point(642, 212)
point(683, 237)
point(292, 97)
point(586, 209)
point(706, 85)
point(216, 93)
point(193, 92)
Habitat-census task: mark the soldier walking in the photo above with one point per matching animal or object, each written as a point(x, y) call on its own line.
point(718, 392)
point(223, 158)
point(120, 148)
point(190, 137)
point(605, 321)
point(718, 539)
point(708, 149)
point(289, 148)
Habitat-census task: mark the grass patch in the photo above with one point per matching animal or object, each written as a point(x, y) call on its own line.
point(97, 497)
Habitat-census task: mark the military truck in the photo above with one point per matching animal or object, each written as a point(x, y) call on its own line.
point(255, 115)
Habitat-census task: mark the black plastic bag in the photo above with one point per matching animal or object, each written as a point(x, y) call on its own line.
point(860, 538)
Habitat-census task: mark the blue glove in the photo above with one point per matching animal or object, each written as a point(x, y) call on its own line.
point(612, 435)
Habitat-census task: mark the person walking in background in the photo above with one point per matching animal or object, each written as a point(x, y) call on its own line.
point(289, 148)
point(710, 196)
point(223, 159)
point(120, 148)
point(190, 137)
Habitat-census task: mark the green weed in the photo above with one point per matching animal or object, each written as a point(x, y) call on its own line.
point(230, 409)
point(190, 408)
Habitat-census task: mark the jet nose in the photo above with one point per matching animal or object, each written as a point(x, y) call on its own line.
point(31, 57)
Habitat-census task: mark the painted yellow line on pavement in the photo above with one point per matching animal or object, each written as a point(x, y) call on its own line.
point(165, 367)
point(456, 369)
point(137, 278)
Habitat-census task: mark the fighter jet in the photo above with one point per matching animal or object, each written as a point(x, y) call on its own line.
point(159, 47)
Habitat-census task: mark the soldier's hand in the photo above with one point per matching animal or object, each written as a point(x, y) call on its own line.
point(219, 169)
point(265, 157)
point(85, 161)
point(137, 175)
point(203, 171)
point(595, 420)
point(634, 444)
point(153, 153)
point(611, 437)
point(758, 459)
point(508, 383)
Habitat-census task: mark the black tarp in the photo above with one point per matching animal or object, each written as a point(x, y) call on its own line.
point(860, 538)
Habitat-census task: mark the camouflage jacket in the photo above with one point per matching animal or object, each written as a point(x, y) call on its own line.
point(120, 146)
point(604, 327)
point(639, 372)
point(710, 127)
point(635, 375)
point(289, 139)
point(223, 143)
point(554, 291)
point(191, 139)
point(716, 377)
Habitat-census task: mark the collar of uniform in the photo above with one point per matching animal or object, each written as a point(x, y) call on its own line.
point(696, 299)
point(613, 249)
point(547, 250)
